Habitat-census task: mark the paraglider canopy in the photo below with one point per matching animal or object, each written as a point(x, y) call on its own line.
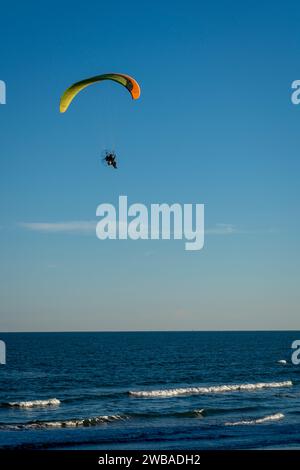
point(124, 80)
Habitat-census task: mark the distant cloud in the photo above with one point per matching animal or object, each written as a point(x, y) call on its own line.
point(51, 266)
point(89, 227)
point(222, 229)
point(77, 226)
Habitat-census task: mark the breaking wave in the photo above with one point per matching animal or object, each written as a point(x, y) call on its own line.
point(204, 390)
point(33, 403)
point(71, 423)
point(275, 417)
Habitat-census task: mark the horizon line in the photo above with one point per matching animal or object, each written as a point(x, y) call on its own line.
point(154, 331)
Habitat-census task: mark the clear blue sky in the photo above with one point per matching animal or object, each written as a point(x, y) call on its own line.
point(214, 125)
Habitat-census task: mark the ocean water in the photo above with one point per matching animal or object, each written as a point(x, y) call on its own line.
point(160, 390)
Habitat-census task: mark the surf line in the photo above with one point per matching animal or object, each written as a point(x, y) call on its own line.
point(162, 221)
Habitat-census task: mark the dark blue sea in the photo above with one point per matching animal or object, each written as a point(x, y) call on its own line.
point(160, 390)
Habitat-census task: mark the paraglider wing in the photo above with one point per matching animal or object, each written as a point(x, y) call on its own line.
point(125, 80)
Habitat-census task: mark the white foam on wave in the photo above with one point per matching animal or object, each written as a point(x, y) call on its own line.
point(282, 361)
point(204, 390)
point(71, 423)
point(265, 419)
point(33, 403)
point(199, 412)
